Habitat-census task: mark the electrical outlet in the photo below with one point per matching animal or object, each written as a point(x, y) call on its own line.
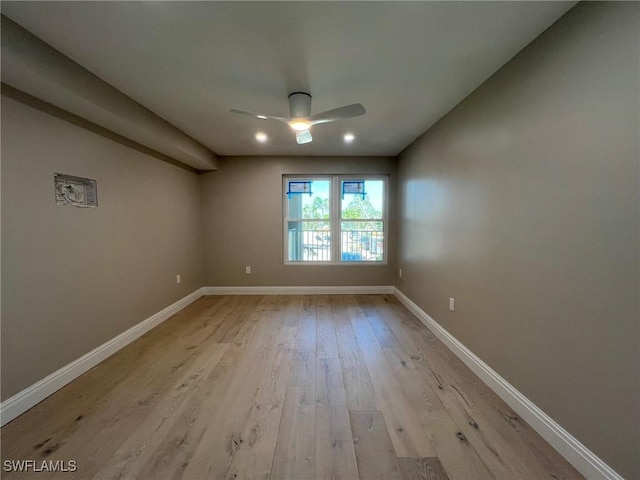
point(178, 279)
point(247, 270)
point(400, 273)
point(452, 304)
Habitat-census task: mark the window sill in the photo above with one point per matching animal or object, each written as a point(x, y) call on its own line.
point(335, 264)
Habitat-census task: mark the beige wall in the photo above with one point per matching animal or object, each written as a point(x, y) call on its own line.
point(75, 278)
point(523, 205)
point(243, 222)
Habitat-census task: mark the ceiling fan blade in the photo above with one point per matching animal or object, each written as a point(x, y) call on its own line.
point(340, 113)
point(258, 115)
point(303, 137)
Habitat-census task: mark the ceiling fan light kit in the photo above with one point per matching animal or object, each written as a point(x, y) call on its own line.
point(301, 119)
point(299, 125)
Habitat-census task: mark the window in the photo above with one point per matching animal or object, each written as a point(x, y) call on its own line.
point(362, 220)
point(335, 220)
point(308, 220)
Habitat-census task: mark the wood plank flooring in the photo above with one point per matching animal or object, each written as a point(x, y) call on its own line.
point(282, 387)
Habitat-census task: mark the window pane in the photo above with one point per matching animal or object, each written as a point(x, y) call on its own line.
point(317, 205)
point(369, 207)
point(309, 241)
point(362, 241)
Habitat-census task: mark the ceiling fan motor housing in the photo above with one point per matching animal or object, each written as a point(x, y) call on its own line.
point(299, 105)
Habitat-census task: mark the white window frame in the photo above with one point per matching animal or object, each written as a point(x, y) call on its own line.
point(335, 219)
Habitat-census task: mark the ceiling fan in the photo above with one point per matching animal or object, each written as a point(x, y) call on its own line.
point(301, 119)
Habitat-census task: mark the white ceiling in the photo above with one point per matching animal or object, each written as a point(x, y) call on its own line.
point(408, 63)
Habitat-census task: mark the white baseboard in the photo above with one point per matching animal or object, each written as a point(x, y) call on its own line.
point(284, 290)
point(584, 460)
point(27, 398)
point(30, 396)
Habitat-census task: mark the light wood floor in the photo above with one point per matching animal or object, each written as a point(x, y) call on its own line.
point(298, 387)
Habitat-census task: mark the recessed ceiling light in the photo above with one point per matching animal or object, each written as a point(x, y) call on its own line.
point(261, 137)
point(261, 117)
point(348, 137)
